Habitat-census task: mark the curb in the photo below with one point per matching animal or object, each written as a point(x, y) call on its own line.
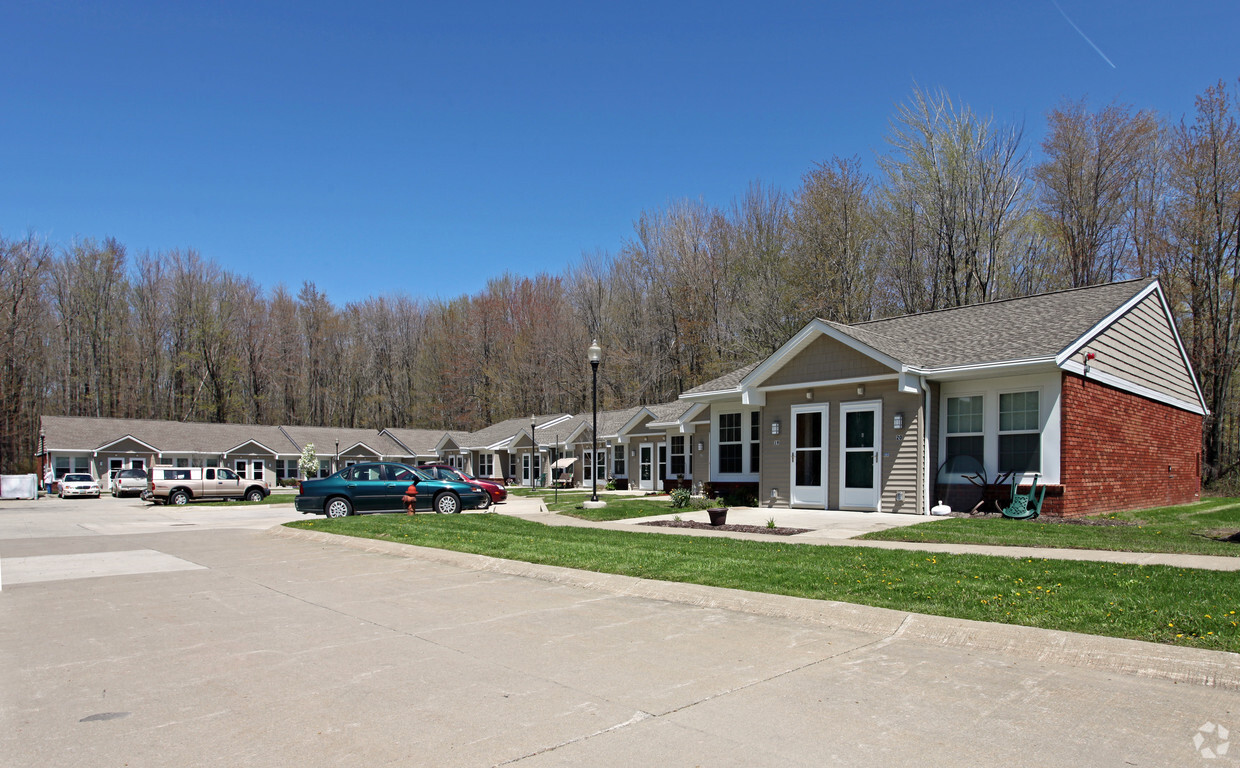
point(1194, 666)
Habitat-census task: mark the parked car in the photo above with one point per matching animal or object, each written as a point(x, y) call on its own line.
point(125, 481)
point(379, 486)
point(78, 485)
point(497, 492)
point(177, 485)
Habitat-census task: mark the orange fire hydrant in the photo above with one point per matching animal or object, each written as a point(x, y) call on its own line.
point(410, 498)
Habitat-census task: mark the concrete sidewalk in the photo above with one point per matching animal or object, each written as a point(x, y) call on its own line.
point(835, 527)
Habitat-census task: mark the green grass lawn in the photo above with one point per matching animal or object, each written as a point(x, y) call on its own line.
point(1154, 603)
point(618, 507)
point(1190, 528)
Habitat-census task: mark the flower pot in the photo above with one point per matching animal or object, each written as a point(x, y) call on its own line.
point(718, 515)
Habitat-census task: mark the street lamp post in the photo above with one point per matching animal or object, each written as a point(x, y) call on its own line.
point(534, 453)
point(596, 355)
point(336, 466)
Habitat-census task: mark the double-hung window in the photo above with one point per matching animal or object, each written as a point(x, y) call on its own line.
point(600, 464)
point(1020, 440)
point(730, 446)
point(617, 466)
point(677, 458)
point(587, 465)
point(966, 428)
point(486, 464)
point(755, 441)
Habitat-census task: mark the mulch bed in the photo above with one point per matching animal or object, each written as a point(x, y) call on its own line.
point(739, 528)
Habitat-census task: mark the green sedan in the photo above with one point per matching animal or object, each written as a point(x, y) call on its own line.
point(379, 487)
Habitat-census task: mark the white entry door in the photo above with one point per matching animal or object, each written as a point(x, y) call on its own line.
point(809, 456)
point(860, 454)
point(645, 467)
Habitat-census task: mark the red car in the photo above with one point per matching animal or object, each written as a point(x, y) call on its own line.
point(496, 491)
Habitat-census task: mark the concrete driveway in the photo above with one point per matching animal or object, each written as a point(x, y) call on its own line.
point(263, 650)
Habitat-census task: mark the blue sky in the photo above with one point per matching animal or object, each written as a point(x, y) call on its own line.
point(424, 148)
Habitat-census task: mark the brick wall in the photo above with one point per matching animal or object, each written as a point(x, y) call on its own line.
point(1122, 451)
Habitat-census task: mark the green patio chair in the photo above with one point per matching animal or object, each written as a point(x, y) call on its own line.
point(1018, 508)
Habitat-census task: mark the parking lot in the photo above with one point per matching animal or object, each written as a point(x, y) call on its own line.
point(224, 645)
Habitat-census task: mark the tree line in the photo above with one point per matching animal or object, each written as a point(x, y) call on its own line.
point(961, 210)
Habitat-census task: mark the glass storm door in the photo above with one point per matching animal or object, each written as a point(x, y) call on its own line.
point(859, 456)
point(645, 475)
point(809, 456)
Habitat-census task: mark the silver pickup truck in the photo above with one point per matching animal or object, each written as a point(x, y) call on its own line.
point(179, 485)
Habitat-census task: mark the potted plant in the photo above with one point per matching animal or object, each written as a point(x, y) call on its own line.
point(718, 515)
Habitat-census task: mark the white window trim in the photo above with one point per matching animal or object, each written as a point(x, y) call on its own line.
point(1041, 423)
point(733, 477)
point(1049, 387)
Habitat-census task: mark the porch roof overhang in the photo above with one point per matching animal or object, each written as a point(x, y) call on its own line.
point(682, 422)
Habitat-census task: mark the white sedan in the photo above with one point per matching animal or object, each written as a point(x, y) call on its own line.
point(79, 485)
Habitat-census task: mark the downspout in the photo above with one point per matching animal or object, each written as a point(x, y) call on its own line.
point(925, 445)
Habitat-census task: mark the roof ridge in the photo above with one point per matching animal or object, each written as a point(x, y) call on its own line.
point(992, 303)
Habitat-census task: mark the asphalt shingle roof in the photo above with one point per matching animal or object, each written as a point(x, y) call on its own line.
point(728, 380)
point(84, 433)
point(994, 332)
point(998, 331)
point(504, 430)
point(422, 441)
point(324, 439)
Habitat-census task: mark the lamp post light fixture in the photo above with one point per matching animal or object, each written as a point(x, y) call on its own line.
point(595, 354)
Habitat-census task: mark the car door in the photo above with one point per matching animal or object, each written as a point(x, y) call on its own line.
point(367, 484)
point(226, 485)
point(401, 478)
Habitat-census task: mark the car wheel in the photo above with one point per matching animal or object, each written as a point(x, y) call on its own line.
point(338, 506)
point(179, 498)
point(254, 494)
point(447, 504)
point(486, 500)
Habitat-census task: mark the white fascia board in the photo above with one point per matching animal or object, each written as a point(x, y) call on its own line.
point(572, 436)
point(1000, 368)
point(800, 341)
point(750, 396)
point(143, 443)
point(247, 442)
point(1112, 380)
point(712, 396)
point(363, 445)
point(443, 442)
point(634, 421)
point(555, 421)
point(1070, 350)
point(1155, 287)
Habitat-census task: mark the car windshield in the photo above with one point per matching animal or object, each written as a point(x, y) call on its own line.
point(78, 478)
point(422, 474)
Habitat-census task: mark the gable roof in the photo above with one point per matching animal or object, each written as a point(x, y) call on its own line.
point(325, 439)
point(421, 442)
point(1008, 330)
point(1010, 333)
point(506, 430)
point(88, 433)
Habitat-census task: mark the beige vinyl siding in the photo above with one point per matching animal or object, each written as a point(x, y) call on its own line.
point(901, 448)
point(1141, 348)
point(899, 463)
point(826, 359)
